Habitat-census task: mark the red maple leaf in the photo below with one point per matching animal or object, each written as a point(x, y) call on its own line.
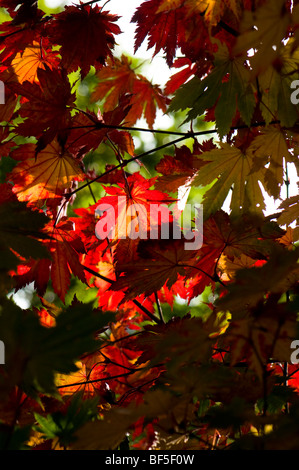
point(86, 36)
point(26, 63)
point(64, 248)
point(22, 11)
point(26, 27)
point(47, 105)
point(119, 79)
point(162, 29)
point(132, 209)
point(179, 169)
point(87, 130)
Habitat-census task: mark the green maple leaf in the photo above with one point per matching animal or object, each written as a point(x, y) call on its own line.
point(263, 29)
point(34, 353)
point(275, 87)
point(290, 212)
point(230, 168)
point(271, 147)
point(227, 85)
point(20, 231)
point(63, 425)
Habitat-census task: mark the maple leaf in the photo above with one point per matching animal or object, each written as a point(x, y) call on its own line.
point(118, 79)
point(65, 252)
point(227, 86)
point(290, 211)
point(227, 234)
point(162, 22)
point(86, 35)
point(163, 28)
point(100, 128)
point(157, 372)
point(129, 210)
point(229, 166)
point(110, 431)
point(6, 143)
point(260, 339)
point(179, 78)
point(178, 171)
point(21, 11)
point(60, 427)
point(271, 146)
point(45, 178)
point(264, 30)
point(230, 265)
point(69, 384)
point(275, 276)
point(26, 63)
point(10, 101)
point(181, 341)
point(158, 263)
point(275, 83)
point(64, 249)
point(213, 10)
point(46, 105)
point(85, 222)
point(20, 230)
point(15, 36)
point(88, 370)
point(42, 352)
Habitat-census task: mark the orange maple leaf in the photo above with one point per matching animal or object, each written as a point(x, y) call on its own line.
point(26, 64)
point(44, 178)
point(46, 105)
point(117, 79)
point(64, 248)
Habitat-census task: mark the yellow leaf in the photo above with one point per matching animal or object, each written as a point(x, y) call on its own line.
point(47, 176)
point(168, 5)
point(271, 145)
point(26, 63)
point(290, 212)
point(229, 266)
point(228, 167)
point(75, 382)
point(263, 30)
point(213, 9)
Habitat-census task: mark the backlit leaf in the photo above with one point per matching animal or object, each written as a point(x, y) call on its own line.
point(231, 169)
point(46, 177)
point(86, 36)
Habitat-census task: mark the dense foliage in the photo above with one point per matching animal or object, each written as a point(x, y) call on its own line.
point(139, 342)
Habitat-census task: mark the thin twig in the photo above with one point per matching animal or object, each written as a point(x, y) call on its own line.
point(125, 162)
point(136, 302)
point(160, 311)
